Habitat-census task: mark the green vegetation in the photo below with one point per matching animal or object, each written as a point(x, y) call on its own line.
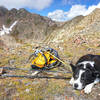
point(9, 21)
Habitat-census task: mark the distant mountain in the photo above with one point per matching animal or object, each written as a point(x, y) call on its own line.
point(29, 25)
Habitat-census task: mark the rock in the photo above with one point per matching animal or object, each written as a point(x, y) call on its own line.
point(11, 62)
point(1, 71)
point(27, 90)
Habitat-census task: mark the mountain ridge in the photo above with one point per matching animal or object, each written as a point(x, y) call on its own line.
point(29, 26)
point(35, 28)
point(83, 25)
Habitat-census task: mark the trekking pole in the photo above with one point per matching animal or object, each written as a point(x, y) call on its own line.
point(61, 61)
point(27, 69)
point(33, 77)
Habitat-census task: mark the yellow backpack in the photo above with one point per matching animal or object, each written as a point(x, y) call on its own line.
point(43, 59)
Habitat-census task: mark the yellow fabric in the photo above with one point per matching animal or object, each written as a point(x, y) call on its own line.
point(39, 61)
point(52, 61)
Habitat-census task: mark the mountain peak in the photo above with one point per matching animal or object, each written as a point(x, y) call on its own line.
point(3, 11)
point(3, 8)
point(22, 10)
point(95, 12)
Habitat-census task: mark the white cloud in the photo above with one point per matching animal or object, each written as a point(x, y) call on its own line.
point(91, 8)
point(58, 15)
point(76, 10)
point(32, 4)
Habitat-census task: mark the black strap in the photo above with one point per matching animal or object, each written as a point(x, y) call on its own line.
point(45, 59)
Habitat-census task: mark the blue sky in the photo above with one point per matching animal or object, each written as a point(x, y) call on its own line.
point(63, 5)
point(58, 10)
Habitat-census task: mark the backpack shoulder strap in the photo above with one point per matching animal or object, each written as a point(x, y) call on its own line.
point(44, 58)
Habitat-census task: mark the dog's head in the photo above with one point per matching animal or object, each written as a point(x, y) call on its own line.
point(83, 74)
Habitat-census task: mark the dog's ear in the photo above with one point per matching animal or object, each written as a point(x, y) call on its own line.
point(73, 67)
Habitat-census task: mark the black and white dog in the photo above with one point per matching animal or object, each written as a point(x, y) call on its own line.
point(86, 72)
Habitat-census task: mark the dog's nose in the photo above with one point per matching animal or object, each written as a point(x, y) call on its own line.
point(75, 85)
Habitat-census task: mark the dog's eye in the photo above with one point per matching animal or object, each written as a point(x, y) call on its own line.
point(76, 76)
point(82, 78)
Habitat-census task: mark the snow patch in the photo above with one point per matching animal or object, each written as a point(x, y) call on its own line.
point(4, 30)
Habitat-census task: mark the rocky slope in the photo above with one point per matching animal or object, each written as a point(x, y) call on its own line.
point(29, 26)
point(80, 26)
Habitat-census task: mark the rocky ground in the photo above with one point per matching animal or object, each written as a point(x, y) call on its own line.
point(42, 89)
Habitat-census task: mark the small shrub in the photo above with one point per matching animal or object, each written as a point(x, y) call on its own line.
point(8, 21)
